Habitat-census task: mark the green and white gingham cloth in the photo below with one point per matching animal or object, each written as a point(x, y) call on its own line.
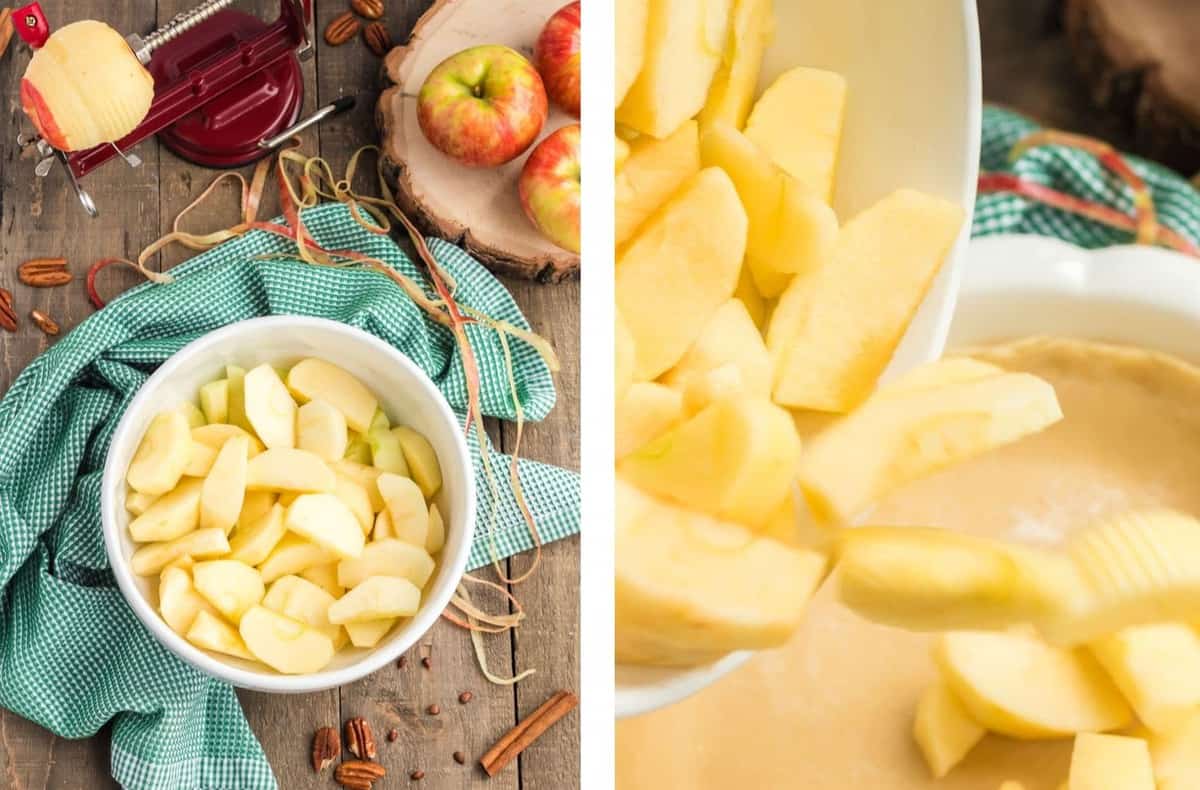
point(1078, 173)
point(73, 656)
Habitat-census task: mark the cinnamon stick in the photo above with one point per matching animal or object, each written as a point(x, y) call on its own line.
point(527, 731)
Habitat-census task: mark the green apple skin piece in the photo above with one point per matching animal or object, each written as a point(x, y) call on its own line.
point(387, 455)
point(437, 531)
point(178, 601)
point(369, 634)
point(199, 544)
point(376, 598)
point(316, 379)
point(387, 557)
point(406, 507)
point(236, 398)
point(254, 542)
point(286, 469)
point(293, 554)
point(224, 489)
point(326, 521)
point(300, 599)
point(231, 586)
point(172, 515)
point(162, 454)
point(209, 632)
point(192, 413)
point(357, 449)
point(286, 645)
point(321, 429)
point(214, 401)
point(270, 409)
point(422, 460)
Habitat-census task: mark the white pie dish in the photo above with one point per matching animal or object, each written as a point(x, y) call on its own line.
point(912, 119)
point(405, 393)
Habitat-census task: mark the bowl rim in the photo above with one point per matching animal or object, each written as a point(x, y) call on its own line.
point(675, 684)
point(373, 660)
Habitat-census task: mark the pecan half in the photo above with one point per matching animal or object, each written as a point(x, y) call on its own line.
point(371, 9)
point(44, 322)
point(343, 28)
point(326, 748)
point(358, 774)
point(378, 39)
point(8, 316)
point(359, 738)
point(44, 272)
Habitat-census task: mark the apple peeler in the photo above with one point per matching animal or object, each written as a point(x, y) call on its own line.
point(227, 88)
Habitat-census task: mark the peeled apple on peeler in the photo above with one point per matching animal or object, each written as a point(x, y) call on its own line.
point(85, 87)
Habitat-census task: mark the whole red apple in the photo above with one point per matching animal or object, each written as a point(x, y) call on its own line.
point(483, 106)
point(550, 188)
point(556, 56)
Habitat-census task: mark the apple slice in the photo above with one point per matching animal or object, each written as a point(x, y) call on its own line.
point(285, 645)
point(215, 435)
point(713, 386)
point(321, 429)
point(224, 489)
point(751, 29)
point(138, 503)
point(383, 526)
point(236, 397)
point(387, 557)
point(355, 497)
point(943, 729)
point(325, 577)
point(172, 515)
point(376, 598)
point(200, 460)
point(253, 542)
point(214, 401)
point(1107, 762)
point(231, 586)
point(630, 43)
point(191, 412)
point(1176, 755)
point(316, 379)
point(1017, 685)
point(200, 543)
point(653, 172)
point(178, 601)
point(422, 460)
point(386, 453)
point(365, 475)
point(327, 522)
point(302, 600)
point(1157, 668)
point(270, 409)
point(369, 634)
point(357, 449)
point(162, 455)
point(255, 505)
point(287, 469)
point(209, 632)
point(407, 511)
point(437, 531)
point(647, 411)
point(293, 554)
point(730, 337)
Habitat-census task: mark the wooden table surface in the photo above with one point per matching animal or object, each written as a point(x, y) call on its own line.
point(41, 218)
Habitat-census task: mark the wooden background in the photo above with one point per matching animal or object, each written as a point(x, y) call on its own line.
point(41, 218)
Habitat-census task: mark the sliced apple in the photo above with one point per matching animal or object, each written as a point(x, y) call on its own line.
point(138, 503)
point(214, 401)
point(178, 601)
point(409, 515)
point(162, 455)
point(365, 476)
point(321, 429)
point(387, 557)
point(386, 453)
point(200, 543)
point(943, 729)
point(210, 632)
point(1017, 685)
point(236, 397)
point(654, 170)
point(307, 602)
point(647, 411)
point(200, 460)
point(325, 577)
point(1157, 668)
point(316, 379)
point(215, 435)
point(730, 337)
point(254, 541)
point(255, 505)
point(630, 42)
point(422, 460)
point(357, 449)
point(376, 598)
point(287, 469)
point(171, 515)
point(711, 386)
point(326, 521)
point(230, 586)
point(270, 409)
point(191, 412)
point(1108, 762)
point(224, 489)
point(679, 269)
point(436, 538)
point(294, 554)
point(755, 302)
point(750, 31)
point(1176, 755)
point(285, 645)
point(383, 526)
point(369, 634)
point(355, 497)
point(625, 352)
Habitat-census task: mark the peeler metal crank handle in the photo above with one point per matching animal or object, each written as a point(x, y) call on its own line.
point(338, 105)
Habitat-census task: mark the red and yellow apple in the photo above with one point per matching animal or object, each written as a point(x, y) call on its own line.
point(483, 106)
point(556, 56)
point(550, 188)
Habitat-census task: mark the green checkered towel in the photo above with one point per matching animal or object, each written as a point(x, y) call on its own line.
point(72, 653)
point(1077, 173)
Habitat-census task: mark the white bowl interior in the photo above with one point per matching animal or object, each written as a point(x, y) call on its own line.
point(407, 396)
point(912, 120)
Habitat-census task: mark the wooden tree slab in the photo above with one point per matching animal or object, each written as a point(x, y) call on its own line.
point(476, 208)
point(1142, 60)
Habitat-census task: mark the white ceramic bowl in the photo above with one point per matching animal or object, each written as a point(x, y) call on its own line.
point(912, 119)
point(405, 393)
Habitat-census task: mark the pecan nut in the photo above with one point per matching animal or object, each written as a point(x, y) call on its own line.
point(359, 738)
point(358, 774)
point(44, 322)
point(44, 272)
point(343, 28)
point(326, 748)
point(378, 39)
point(371, 9)
point(8, 316)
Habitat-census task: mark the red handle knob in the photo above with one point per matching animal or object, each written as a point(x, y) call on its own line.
point(31, 25)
